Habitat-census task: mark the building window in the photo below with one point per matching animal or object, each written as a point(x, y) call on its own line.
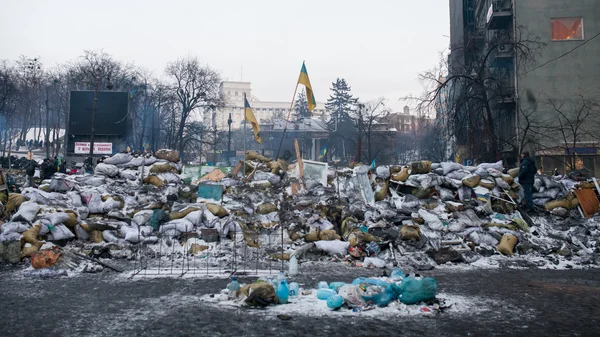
point(236, 93)
point(567, 29)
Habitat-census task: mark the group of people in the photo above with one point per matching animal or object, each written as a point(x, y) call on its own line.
point(47, 168)
point(31, 144)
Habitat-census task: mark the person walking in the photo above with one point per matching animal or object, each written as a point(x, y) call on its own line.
point(29, 173)
point(527, 173)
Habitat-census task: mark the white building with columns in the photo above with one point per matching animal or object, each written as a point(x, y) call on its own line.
point(264, 111)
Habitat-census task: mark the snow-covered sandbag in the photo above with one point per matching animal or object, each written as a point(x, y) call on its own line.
point(496, 166)
point(129, 174)
point(471, 180)
point(110, 236)
point(431, 220)
point(56, 218)
point(549, 183)
point(196, 218)
point(450, 166)
point(81, 234)
point(119, 159)
point(45, 198)
point(383, 172)
point(110, 204)
point(82, 212)
point(550, 193)
point(446, 194)
point(456, 226)
point(502, 184)
point(494, 173)
point(107, 170)
point(12, 236)
point(27, 212)
point(333, 247)
point(146, 230)
point(140, 161)
point(429, 180)
point(482, 238)
point(458, 174)
point(91, 180)
point(468, 218)
point(13, 227)
point(75, 198)
point(480, 171)
point(60, 232)
point(60, 183)
point(142, 217)
point(131, 234)
point(210, 220)
point(230, 226)
point(93, 201)
point(170, 177)
point(452, 183)
point(181, 225)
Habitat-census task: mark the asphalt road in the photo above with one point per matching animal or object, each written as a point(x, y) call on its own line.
point(521, 303)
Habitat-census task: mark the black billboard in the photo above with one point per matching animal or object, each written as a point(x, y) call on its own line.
point(111, 113)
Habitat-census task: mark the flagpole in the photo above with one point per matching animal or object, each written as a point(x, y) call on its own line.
point(245, 122)
point(286, 121)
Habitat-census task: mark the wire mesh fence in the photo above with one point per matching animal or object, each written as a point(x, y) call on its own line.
point(239, 253)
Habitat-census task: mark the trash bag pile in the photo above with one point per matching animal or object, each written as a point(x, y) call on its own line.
point(422, 215)
point(362, 294)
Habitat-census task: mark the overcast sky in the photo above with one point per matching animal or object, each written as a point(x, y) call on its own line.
point(378, 46)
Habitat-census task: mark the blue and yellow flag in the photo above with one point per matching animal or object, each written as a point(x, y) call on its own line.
point(304, 80)
point(324, 151)
point(249, 117)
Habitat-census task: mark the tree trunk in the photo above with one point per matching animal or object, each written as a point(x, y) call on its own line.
point(490, 126)
point(179, 139)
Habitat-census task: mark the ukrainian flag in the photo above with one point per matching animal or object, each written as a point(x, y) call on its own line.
point(249, 117)
point(304, 80)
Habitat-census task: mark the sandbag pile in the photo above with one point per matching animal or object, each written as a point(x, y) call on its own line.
point(422, 215)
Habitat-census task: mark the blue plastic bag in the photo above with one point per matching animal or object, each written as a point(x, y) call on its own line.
point(370, 281)
point(397, 274)
point(413, 291)
point(335, 302)
point(336, 285)
point(324, 294)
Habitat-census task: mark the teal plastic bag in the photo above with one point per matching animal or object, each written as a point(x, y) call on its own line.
point(157, 219)
point(336, 285)
point(413, 291)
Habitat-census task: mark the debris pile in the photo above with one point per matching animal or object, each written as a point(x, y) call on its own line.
point(398, 291)
point(420, 216)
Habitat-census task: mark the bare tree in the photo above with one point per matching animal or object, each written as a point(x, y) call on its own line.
point(475, 87)
point(367, 119)
point(575, 121)
point(196, 88)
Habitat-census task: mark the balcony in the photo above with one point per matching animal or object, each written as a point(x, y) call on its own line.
point(506, 96)
point(500, 15)
point(503, 56)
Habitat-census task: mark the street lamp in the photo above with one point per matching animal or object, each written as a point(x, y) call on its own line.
point(229, 121)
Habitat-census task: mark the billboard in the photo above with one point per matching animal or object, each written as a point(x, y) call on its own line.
point(99, 148)
point(111, 113)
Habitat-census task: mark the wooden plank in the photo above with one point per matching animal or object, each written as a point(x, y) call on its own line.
point(588, 201)
point(299, 157)
point(237, 168)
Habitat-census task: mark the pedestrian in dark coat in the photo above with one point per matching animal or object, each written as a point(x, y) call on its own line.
point(527, 173)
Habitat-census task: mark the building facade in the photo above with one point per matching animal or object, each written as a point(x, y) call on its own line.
point(532, 57)
point(264, 111)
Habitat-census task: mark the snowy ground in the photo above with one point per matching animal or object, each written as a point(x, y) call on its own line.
point(486, 302)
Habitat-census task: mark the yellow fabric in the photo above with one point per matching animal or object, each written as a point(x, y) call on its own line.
point(249, 116)
point(304, 80)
